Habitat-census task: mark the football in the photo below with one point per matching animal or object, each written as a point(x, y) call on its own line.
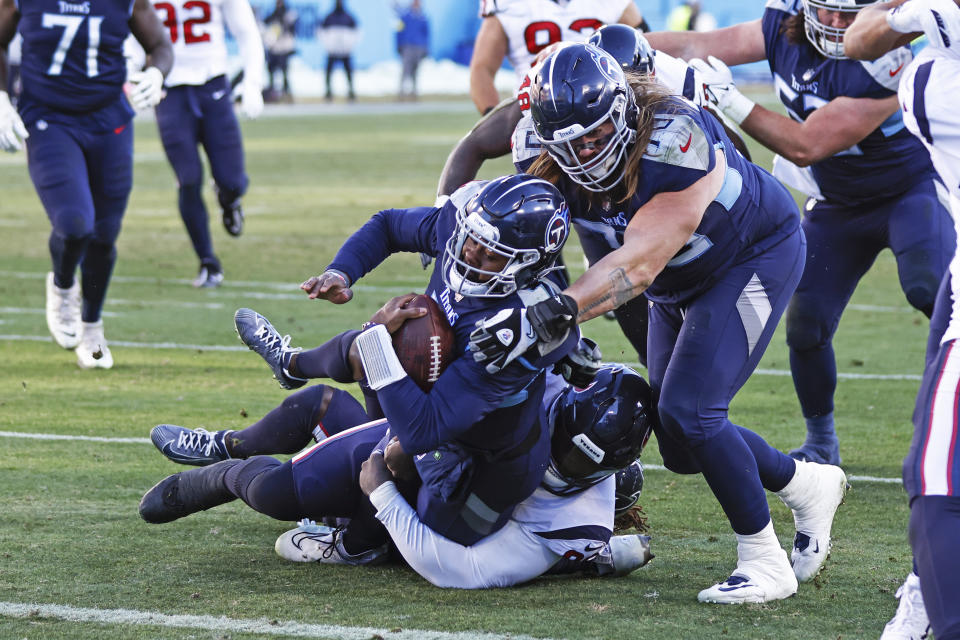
point(425, 345)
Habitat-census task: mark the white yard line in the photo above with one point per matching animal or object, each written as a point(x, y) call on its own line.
point(223, 624)
point(59, 436)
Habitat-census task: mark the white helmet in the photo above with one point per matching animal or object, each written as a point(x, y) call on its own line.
point(826, 39)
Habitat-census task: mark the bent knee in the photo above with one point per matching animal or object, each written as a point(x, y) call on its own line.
point(806, 331)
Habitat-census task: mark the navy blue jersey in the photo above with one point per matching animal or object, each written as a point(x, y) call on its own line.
point(73, 67)
point(489, 414)
point(744, 219)
point(885, 163)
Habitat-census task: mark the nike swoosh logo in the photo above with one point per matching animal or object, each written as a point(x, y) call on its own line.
point(216, 95)
point(591, 547)
point(684, 147)
point(897, 70)
point(735, 587)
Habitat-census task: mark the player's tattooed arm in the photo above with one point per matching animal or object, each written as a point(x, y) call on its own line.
point(151, 35)
point(621, 290)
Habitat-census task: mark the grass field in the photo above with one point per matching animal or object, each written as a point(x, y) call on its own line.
point(69, 530)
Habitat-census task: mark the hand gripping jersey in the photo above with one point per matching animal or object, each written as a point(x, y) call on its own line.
point(533, 25)
point(885, 163)
point(72, 65)
point(673, 73)
point(752, 212)
point(196, 29)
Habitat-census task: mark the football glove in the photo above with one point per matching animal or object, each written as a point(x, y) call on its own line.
point(938, 19)
point(719, 89)
point(147, 88)
point(580, 366)
point(502, 338)
point(251, 100)
point(12, 131)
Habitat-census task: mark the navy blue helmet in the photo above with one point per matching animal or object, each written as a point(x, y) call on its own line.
point(519, 217)
point(627, 45)
point(629, 486)
point(599, 430)
point(580, 101)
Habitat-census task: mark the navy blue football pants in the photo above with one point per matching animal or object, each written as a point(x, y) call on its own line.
point(83, 180)
point(842, 244)
point(700, 354)
point(190, 116)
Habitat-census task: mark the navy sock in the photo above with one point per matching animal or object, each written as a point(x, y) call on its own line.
point(193, 212)
point(66, 254)
point(815, 379)
point(95, 276)
point(266, 485)
point(329, 360)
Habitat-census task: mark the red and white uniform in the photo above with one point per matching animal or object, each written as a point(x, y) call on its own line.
point(197, 31)
point(533, 25)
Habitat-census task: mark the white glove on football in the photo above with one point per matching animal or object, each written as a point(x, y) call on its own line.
point(12, 131)
point(251, 100)
point(719, 89)
point(922, 15)
point(147, 88)
point(502, 338)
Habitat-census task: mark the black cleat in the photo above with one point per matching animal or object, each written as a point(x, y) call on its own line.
point(233, 218)
point(187, 492)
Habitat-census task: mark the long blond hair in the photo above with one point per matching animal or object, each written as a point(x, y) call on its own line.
point(651, 98)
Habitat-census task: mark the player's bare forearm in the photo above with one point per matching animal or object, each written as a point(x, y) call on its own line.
point(836, 126)
point(146, 28)
point(489, 138)
point(489, 49)
point(737, 44)
point(869, 37)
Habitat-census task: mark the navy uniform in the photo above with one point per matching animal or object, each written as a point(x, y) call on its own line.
point(881, 193)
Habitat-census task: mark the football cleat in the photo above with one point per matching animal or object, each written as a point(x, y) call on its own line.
point(93, 352)
point(187, 492)
point(814, 494)
point(256, 332)
point(233, 218)
point(629, 553)
point(758, 580)
point(208, 277)
point(197, 447)
point(911, 621)
point(312, 542)
point(63, 313)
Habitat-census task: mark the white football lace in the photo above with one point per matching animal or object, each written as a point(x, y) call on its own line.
point(199, 438)
point(270, 338)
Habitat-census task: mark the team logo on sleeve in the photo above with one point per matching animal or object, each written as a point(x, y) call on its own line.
point(557, 230)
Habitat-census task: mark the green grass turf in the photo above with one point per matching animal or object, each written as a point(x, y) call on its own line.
point(69, 530)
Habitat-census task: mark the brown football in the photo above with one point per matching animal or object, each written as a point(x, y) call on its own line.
point(425, 345)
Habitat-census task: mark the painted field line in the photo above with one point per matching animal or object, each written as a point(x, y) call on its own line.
point(221, 624)
point(59, 436)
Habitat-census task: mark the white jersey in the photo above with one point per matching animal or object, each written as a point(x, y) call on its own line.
point(533, 25)
point(543, 530)
point(197, 32)
point(928, 93)
point(673, 73)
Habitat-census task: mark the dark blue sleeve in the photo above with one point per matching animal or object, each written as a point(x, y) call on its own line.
point(772, 19)
point(388, 232)
point(461, 397)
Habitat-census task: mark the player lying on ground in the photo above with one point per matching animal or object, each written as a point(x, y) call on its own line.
point(565, 526)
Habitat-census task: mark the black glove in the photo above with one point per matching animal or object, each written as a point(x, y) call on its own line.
point(580, 366)
point(553, 317)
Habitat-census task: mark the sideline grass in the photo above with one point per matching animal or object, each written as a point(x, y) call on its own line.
point(69, 531)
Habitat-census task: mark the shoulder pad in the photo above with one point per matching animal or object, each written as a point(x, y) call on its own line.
point(678, 140)
point(462, 196)
point(887, 69)
point(787, 6)
point(492, 7)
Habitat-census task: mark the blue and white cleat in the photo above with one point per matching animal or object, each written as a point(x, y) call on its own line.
point(814, 494)
point(197, 447)
point(756, 581)
point(256, 332)
point(312, 542)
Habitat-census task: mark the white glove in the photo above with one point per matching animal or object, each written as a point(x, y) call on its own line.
point(922, 15)
point(147, 88)
point(719, 89)
point(251, 100)
point(12, 131)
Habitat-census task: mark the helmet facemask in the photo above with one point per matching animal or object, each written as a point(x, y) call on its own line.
point(460, 277)
point(826, 39)
point(606, 168)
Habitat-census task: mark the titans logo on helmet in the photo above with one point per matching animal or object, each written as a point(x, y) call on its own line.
point(606, 64)
point(557, 230)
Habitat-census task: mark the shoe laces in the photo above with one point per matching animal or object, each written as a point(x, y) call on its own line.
point(272, 341)
point(911, 612)
point(198, 440)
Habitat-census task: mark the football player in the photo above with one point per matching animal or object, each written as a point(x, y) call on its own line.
point(927, 92)
point(519, 29)
point(873, 184)
point(714, 242)
point(499, 242)
point(198, 110)
point(76, 123)
point(566, 524)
